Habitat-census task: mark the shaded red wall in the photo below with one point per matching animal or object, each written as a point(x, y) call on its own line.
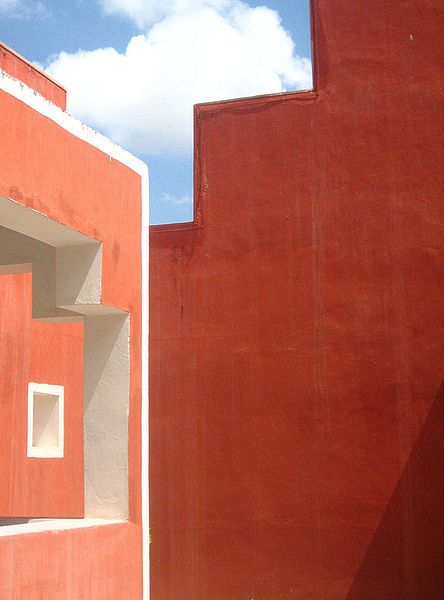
point(296, 349)
point(42, 353)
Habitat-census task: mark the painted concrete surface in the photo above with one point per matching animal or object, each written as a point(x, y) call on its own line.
point(66, 286)
point(32, 76)
point(296, 343)
point(31, 351)
point(75, 564)
point(61, 170)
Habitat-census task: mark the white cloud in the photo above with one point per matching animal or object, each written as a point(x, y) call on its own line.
point(177, 200)
point(196, 51)
point(22, 9)
point(141, 12)
point(144, 12)
point(8, 6)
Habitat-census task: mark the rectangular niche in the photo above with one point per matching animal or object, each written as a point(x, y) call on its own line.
point(45, 420)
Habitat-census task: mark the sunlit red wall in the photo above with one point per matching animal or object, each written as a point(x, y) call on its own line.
point(41, 353)
point(19, 68)
point(296, 349)
point(46, 168)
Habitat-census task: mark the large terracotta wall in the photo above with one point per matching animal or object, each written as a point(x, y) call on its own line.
point(42, 353)
point(296, 328)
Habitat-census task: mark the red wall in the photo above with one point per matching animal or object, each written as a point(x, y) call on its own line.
point(66, 179)
point(46, 168)
point(297, 343)
point(42, 353)
point(97, 563)
point(18, 67)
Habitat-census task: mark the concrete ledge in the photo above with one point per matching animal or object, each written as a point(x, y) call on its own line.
point(42, 525)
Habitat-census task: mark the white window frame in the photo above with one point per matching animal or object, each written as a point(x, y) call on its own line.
point(49, 451)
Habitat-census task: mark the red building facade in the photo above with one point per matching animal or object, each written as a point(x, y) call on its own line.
point(296, 349)
point(296, 344)
point(73, 351)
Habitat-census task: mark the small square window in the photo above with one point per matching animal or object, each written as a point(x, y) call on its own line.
point(45, 420)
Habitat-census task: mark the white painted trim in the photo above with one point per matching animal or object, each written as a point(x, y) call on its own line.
point(31, 98)
point(145, 390)
point(41, 525)
point(52, 390)
point(34, 100)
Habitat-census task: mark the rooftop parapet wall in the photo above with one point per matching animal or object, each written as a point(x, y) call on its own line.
point(21, 69)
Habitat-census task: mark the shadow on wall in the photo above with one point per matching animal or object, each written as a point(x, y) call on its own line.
point(67, 284)
point(406, 555)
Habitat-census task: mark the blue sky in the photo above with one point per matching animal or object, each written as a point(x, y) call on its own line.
point(133, 69)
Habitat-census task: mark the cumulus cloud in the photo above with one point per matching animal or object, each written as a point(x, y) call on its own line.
point(142, 12)
point(145, 12)
point(22, 9)
point(191, 51)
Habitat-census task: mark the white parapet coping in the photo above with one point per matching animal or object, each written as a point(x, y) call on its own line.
point(34, 100)
point(42, 525)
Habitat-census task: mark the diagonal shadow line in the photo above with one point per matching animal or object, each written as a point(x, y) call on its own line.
point(405, 558)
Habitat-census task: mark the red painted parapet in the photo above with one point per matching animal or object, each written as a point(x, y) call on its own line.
point(20, 68)
point(297, 343)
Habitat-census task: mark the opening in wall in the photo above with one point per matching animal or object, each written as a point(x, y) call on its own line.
point(66, 291)
point(45, 420)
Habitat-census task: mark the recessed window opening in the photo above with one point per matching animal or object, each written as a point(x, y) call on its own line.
point(65, 269)
point(45, 420)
